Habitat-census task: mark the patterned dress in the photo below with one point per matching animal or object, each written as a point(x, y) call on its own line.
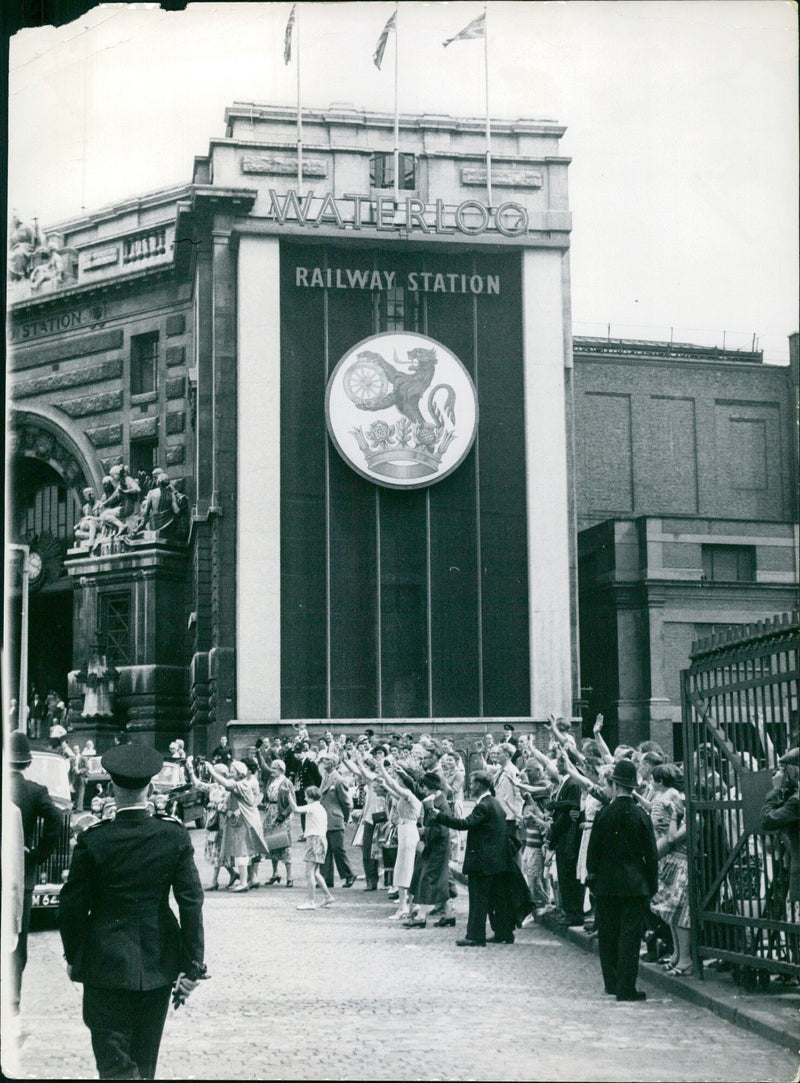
point(278, 814)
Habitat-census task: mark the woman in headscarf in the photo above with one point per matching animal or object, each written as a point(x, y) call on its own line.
point(278, 816)
point(243, 837)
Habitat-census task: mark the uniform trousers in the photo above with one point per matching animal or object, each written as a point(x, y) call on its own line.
point(336, 852)
point(126, 1027)
point(488, 897)
point(620, 924)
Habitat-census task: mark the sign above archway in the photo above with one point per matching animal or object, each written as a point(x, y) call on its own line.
point(401, 410)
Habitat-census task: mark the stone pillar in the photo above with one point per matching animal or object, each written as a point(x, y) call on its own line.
point(258, 539)
point(148, 580)
point(551, 647)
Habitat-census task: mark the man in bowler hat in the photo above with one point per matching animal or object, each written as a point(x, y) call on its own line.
point(121, 938)
point(622, 868)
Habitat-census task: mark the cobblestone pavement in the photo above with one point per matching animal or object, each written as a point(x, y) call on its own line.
point(341, 993)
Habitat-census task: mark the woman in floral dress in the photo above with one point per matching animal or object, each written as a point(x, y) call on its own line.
point(278, 817)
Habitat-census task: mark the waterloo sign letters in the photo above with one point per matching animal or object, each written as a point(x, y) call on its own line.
point(384, 213)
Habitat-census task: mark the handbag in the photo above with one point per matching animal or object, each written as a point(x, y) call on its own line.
point(278, 840)
point(380, 817)
point(212, 823)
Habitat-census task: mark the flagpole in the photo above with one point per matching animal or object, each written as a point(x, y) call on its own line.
point(488, 123)
point(299, 111)
point(396, 113)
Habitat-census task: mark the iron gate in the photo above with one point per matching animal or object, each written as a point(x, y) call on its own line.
point(739, 715)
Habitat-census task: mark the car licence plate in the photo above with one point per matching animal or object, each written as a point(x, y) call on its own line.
point(45, 898)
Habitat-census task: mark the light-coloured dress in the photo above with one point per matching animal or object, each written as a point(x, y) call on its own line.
point(591, 806)
point(243, 837)
point(408, 810)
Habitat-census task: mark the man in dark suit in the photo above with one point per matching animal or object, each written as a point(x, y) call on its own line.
point(33, 802)
point(120, 936)
point(565, 842)
point(622, 868)
point(487, 861)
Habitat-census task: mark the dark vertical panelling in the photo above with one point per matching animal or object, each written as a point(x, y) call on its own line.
point(403, 604)
point(352, 553)
point(502, 492)
point(303, 677)
point(455, 626)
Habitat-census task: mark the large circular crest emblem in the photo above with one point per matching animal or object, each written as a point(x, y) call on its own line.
point(401, 409)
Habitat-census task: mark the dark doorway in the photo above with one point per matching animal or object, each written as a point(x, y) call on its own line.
point(50, 642)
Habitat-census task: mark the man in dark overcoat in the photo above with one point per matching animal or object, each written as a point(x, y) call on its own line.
point(35, 806)
point(121, 938)
point(622, 871)
point(565, 842)
point(487, 862)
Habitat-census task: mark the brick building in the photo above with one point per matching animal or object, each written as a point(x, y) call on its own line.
point(686, 466)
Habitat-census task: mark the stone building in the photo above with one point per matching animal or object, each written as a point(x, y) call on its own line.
point(378, 453)
point(430, 572)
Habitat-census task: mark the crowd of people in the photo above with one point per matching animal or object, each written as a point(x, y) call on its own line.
point(406, 797)
point(406, 803)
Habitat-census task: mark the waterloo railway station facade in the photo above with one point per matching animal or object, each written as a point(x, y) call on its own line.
point(410, 494)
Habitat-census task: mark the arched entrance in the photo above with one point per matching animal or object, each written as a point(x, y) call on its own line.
point(47, 474)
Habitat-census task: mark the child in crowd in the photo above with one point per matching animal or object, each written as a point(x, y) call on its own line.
point(316, 846)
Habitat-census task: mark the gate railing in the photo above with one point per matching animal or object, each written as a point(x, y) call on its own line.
point(740, 701)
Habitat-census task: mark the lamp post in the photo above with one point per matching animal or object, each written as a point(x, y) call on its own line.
point(22, 709)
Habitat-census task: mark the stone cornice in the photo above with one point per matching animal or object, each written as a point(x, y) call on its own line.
point(349, 115)
point(114, 210)
point(146, 275)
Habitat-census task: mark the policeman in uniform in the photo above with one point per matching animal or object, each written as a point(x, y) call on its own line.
point(622, 867)
point(121, 938)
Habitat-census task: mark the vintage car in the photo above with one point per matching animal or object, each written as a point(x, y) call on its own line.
point(51, 770)
point(174, 795)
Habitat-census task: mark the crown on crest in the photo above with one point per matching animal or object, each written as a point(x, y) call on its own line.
point(403, 450)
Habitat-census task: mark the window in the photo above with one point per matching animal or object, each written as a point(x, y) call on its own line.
point(398, 311)
point(729, 563)
point(143, 456)
point(114, 627)
point(381, 171)
point(144, 363)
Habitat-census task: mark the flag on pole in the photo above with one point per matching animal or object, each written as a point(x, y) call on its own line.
point(475, 29)
point(380, 48)
point(287, 38)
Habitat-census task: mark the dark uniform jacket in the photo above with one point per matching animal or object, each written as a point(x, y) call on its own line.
point(487, 850)
point(622, 858)
point(117, 927)
point(33, 801)
point(308, 774)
